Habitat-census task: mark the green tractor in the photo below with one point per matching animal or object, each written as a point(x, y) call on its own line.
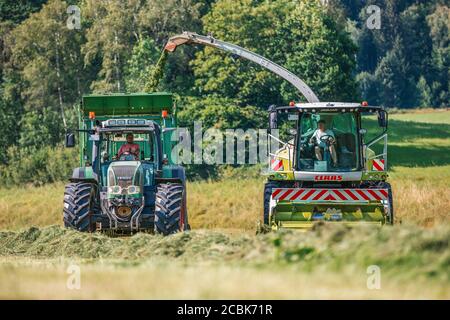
point(127, 180)
point(332, 170)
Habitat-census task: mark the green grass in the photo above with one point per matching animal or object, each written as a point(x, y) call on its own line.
point(415, 139)
point(274, 265)
point(222, 252)
point(427, 116)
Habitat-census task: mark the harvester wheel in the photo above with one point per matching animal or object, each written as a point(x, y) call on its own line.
point(391, 202)
point(170, 209)
point(79, 202)
point(267, 194)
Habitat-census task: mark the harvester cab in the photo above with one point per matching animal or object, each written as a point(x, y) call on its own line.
point(333, 169)
point(127, 180)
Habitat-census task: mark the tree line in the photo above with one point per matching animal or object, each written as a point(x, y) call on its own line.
point(45, 66)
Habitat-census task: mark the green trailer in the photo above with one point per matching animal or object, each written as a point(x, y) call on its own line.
point(127, 180)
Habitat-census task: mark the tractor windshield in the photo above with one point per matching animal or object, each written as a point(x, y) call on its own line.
point(142, 146)
point(328, 142)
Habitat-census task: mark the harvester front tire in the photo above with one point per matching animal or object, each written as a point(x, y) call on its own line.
point(391, 202)
point(79, 202)
point(267, 194)
point(170, 209)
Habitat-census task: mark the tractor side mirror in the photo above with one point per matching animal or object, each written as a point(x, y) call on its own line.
point(382, 119)
point(70, 140)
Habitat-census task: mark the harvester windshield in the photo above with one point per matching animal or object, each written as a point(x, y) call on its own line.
point(328, 142)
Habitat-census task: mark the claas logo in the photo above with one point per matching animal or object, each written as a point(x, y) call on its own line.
point(328, 178)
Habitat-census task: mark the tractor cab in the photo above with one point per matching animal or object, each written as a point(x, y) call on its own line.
point(118, 150)
point(116, 133)
point(130, 153)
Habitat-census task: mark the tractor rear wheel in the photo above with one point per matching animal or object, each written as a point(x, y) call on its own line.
point(79, 202)
point(170, 209)
point(267, 194)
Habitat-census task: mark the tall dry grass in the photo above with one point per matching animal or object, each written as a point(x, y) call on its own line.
point(421, 196)
point(27, 206)
point(231, 204)
point(37, 279)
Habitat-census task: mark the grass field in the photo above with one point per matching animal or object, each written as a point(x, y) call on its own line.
point(325, 263)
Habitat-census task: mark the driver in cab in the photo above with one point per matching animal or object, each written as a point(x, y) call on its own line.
point(323, 138)
point(129, 148)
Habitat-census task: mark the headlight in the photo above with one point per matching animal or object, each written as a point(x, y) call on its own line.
point(115, 190)
point(133, 189)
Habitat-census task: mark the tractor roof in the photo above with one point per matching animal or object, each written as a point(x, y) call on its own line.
point(128, 125)
point(120, 104)
point(329, 107)
point(321, 105)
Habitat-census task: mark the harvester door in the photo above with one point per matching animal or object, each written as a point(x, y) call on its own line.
point(281, 140)
point(374, 138)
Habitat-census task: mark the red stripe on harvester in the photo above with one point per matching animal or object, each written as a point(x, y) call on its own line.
point(330, 197)
point(363, 194)
point(377, 166)
point(275, 193)
point(384, 193)
point(278, 165)
point(308, 194)
point(317, 197)
point(297, 194)
point(285, 194)
point(374, 194)
point(340, 195)
point(347, 191)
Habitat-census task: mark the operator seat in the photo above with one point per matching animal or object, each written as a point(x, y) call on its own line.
point(346, 149)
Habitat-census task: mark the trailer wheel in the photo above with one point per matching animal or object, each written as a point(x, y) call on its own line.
point(170, 209)
point(267, 194)
point(79, 202)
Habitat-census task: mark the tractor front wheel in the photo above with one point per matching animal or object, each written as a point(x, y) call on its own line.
point(170, 209)
point(79, 202)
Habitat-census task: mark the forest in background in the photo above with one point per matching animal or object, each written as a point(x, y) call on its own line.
point(45, 67)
